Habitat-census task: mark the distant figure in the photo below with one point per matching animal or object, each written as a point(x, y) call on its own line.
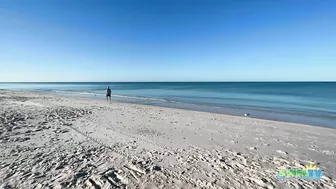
point(108, 94)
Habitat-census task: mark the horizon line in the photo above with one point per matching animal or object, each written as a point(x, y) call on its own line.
point(163, 81)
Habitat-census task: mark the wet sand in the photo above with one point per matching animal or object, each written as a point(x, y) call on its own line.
point(52, 141)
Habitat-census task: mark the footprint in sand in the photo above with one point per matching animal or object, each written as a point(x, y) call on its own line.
point(290, 144)
point(260, 139)
point(253, 148)
point(282, 152)
point(328, 152)
point(234, 141)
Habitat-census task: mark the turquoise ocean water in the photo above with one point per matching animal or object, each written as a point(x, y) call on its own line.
point(311, 103)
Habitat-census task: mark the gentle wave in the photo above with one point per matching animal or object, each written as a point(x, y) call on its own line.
point(73, 92)
point(135, 97)
point(140, 98)
point(100, 94)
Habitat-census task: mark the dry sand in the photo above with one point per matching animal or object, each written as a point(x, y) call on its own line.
point(49, 141)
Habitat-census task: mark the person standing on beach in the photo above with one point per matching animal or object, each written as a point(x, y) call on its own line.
point(108, 94)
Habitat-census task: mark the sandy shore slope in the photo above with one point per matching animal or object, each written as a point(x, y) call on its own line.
point(67, 142)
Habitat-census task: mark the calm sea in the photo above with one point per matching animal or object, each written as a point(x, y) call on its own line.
point(311, 103)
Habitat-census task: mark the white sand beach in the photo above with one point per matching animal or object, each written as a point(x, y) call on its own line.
point(50, 141)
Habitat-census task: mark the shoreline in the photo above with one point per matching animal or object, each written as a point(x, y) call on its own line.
point(177, 108)
point(286, 117)
point(82, 142)
point(308, 115)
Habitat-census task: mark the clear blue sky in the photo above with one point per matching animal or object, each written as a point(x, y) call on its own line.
point(167, 40)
